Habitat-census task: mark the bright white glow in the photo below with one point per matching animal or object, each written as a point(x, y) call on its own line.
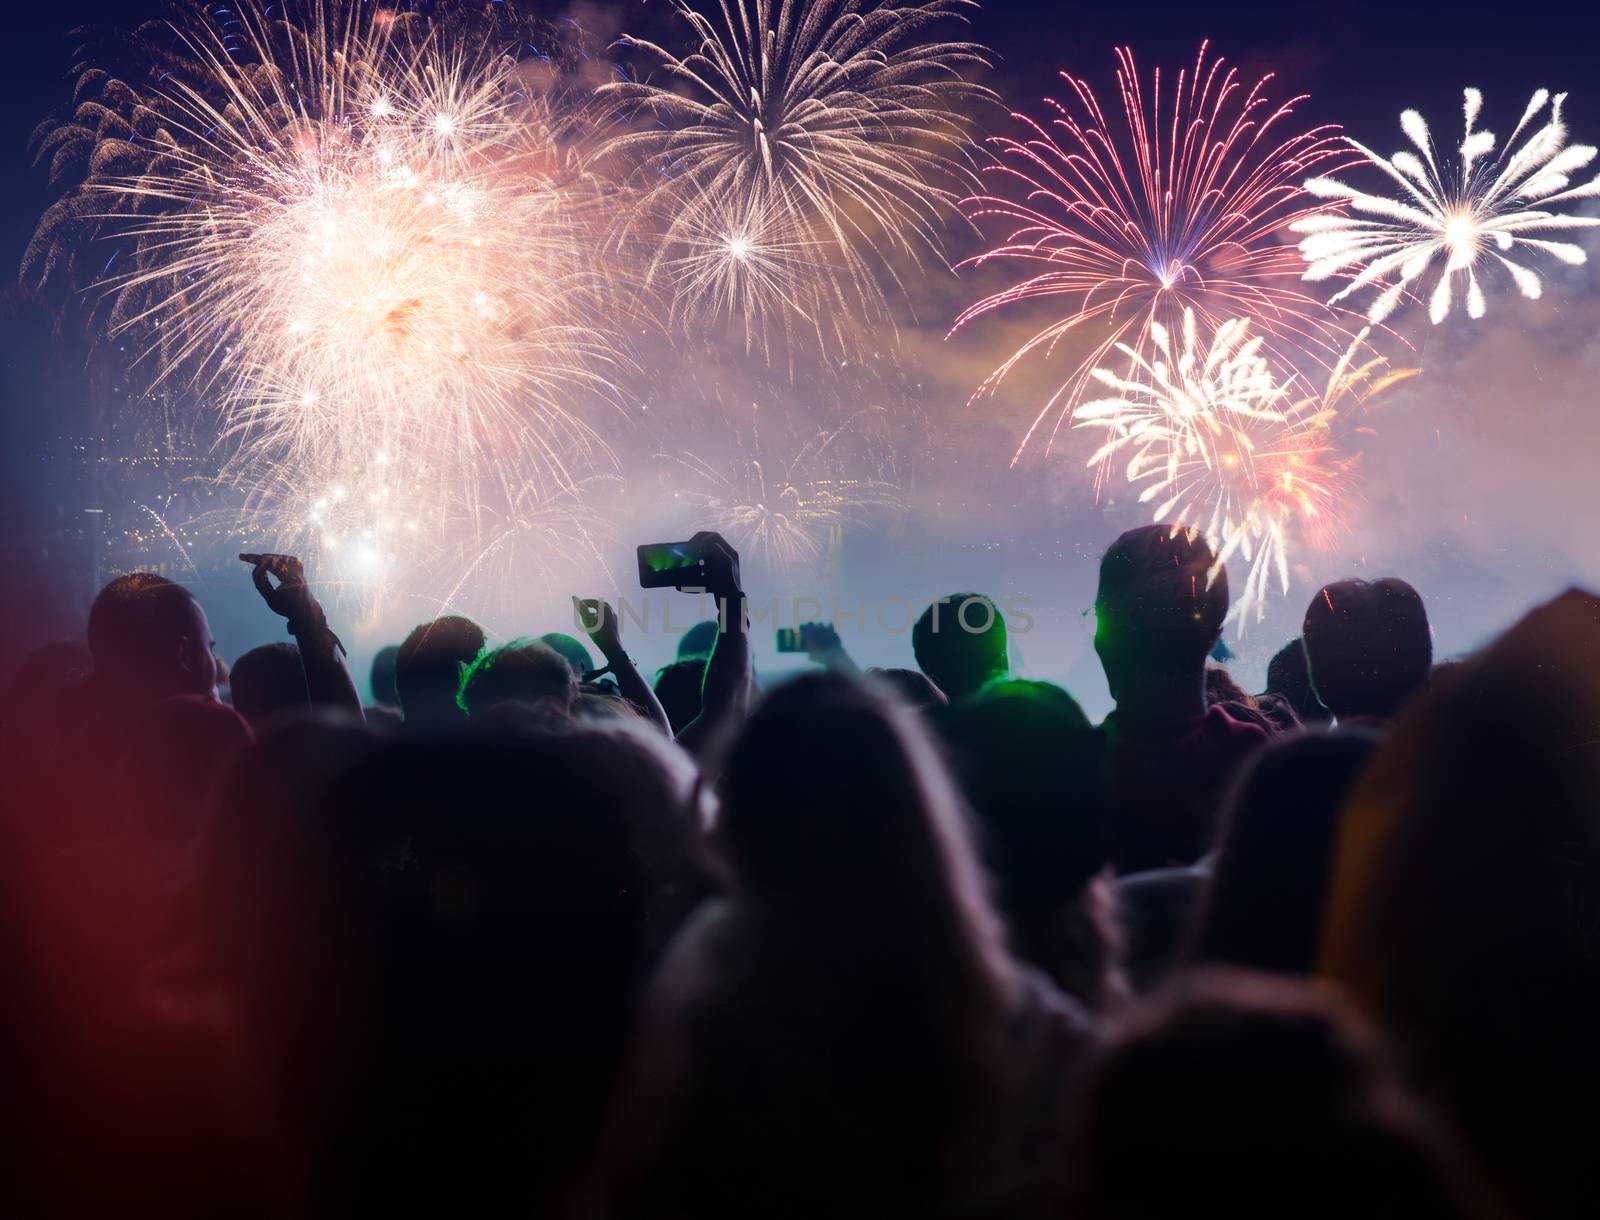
point(1493, 211)
point(1460, 232)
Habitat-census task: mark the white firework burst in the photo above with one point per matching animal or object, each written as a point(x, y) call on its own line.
point(738, 259)
point(368, 247)
point(1487, 210)
point(1221, 445)
point(841, 121)
point(1170, 402)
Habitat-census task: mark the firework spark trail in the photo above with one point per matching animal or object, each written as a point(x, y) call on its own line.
point(786, 509)
point(1493, 209)
point(1222, 444)
point(541, 540)
point(183, 551)
point(837, 120)
point(1184, 208)
point(734, 261)
point(368, 245)
point(1178, 394)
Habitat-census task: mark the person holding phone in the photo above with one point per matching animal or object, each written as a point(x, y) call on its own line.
point(708, 563)
point(821, 643)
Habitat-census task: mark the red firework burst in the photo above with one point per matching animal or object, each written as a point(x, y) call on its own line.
point(1187, 205)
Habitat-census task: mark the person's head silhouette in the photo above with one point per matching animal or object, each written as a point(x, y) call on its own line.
point(572, 652)
point(1289, 679)
point(1158, 614)
point(384, 693)
point(268, 680)
point(678, 688)
point(428, 669)
point(698, 641)
point(960, 643)
point(1280, 1080)
point(149, 639)
point(523, 671)
point(1368, 646)
point(1034, 775)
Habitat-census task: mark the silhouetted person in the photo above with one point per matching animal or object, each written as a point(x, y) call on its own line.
point(1289, 679)
point(960, 643)
point(726, 691)
point(428, 670)
point(572, 652)
point(149, 639)
point(1368, 647)
point(437, 958)
point(601, 623)
point(328, 681)
point(1269, 883)
point(1464, 907)
point(523, 671)
point(658, 784)
point(384, 693)
point(1258, 1098)
point(1034, 773)
point(1159, 612)
point(845, 1035)
point(95, 891)
point(678, 690)
point(698, 641)
point(268, 681)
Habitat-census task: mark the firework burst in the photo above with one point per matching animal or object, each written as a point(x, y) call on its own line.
point(835, 121)
point(1220, 443)
point(1490, 210)
point(363, 241)
point(1183, 207)
point(736, 259)
point(787, 509)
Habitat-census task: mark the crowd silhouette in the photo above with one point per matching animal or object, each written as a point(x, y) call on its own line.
point(533, 934)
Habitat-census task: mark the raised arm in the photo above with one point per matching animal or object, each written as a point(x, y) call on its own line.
point(823, 645)
point(328, 682)
point(725, 693)
point(603, 626)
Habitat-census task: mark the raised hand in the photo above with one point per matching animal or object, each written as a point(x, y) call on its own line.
point(721, 573)
point(328, 682)
point(604, 627)
point(820, 639)
point(291, 597)
point(601, 623)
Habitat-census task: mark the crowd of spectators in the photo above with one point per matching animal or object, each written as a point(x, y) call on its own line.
point(535, 935)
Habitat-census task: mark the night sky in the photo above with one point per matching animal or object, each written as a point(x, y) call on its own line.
point(1362, 63)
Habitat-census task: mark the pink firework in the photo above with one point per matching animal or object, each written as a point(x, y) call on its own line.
point(1186, 206)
